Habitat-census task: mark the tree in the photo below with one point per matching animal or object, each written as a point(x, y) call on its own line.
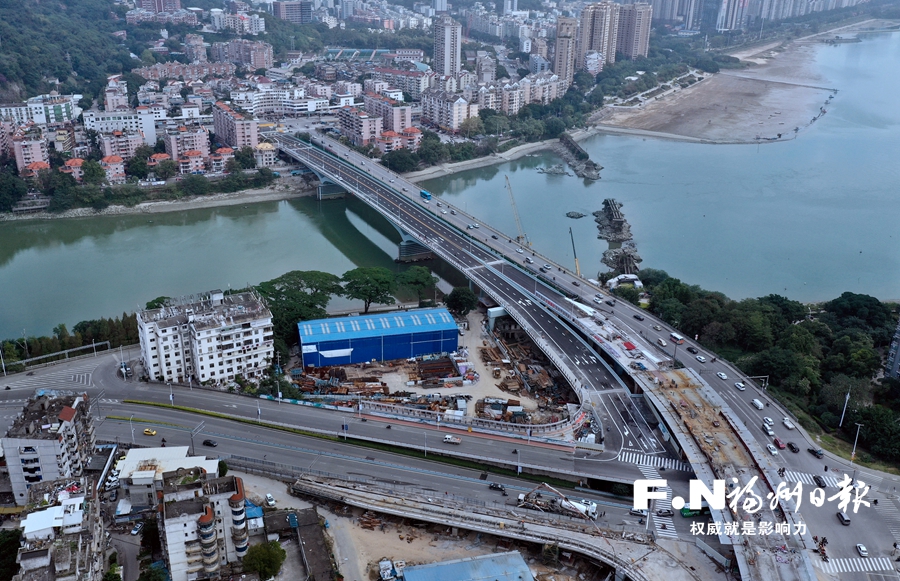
point(12, 189)
point(432, 152)
point(166, 169)
point(496, 124)
point(370, 285)
point(223, 468)
point(9, 547)
point(265, 559)
point(137, 165)
point(246, 157)
point(157, 303)
point(471, 126)
point(150, 536)
point(92, 173)
point(152, 574)
point(233, 167)
point(417, 278)
point(553, 127)
point(400, 160)
point(461, 300)
point(194, 185)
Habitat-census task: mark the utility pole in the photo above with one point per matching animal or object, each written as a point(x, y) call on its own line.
point(853, 454)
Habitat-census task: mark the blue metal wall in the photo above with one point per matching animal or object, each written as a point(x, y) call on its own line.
point(384, 347)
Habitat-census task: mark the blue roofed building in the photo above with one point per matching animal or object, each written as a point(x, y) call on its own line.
point(499, 567)
point(381, 336)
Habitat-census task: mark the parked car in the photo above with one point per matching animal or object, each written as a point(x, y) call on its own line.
point(270, 500)
point(137, 528)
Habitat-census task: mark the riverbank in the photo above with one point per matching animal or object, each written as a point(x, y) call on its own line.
point(513, 154)
point(285, 188)
point(774, 99)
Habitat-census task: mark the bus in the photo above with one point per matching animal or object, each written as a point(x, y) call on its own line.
point(689, 512)
point(425, 194)
point(676, 338)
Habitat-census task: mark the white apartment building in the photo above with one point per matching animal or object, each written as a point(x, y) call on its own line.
point(52, 438)
point(396, 115)
point(290, 102)
point(447, 46)
point(43, 109)
point(233, 128)
point(140, 120)
point(412, 82)
point(120, 143)
point(446, 110)
point(210, 339)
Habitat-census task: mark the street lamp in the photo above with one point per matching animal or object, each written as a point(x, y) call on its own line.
point(853, 453)
point(426, 444)
point(130, 423)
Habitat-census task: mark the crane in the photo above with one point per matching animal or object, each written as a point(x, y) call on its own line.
point(577, 268)
point(521, 238)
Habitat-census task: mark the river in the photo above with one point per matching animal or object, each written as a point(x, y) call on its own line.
point(808, 218)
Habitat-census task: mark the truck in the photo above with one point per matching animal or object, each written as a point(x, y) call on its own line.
point(448, 439)
point(426, 195)
point(788, 423)
point(557, 502)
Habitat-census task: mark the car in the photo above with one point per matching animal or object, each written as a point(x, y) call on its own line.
point(638, 317)
point(665, 512)
point(529, 260)
point(638, 512)
point(740, 385)
point(862, 550)
point(769, 421)
point(772, 450)
point(149, 432)
point(544, 270)
point(611, 303)
point(721, 375)
point(779, 444)
point(548, 267)
point(818, 453)
point(692, 350)
point(439, 204)
point(657, 328)
point(113, 496)
point(576, 283)
point(453, 212)
point(700, 358)
point(598, 301)
point(270, 500)
point(469, 227)
point(520, 251)
point(599, 296)
point(494, 236)
point(793, 447)
point(495, 486)
point(820, 482)
point(137, 529)
point(405, 190)
point(768, 430)
point(443, 211)
point(392, 181)
point(210, 443)
point(788, 423)
point(475, 225)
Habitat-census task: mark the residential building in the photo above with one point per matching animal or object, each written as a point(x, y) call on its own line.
point(538, 64)
point(358, 126)
point(178, 17)
point(348, 9)
point(219, 159)
point(298, 12)
point(52, 438)
point(539, 46)
point(192, 162)
point(409, 54)
point(396, 115)
point(446, 110)
point(142, 471)
point(141, 120)
point(203, 523)
point(234, 128)
point(247, 53)
point(447, 46)
point(240, 23)
point(192, 72)
point(439, 5)
point(564, 58)
point(120, 143)
point(29, 146)
point(116, 95)
point(212, 340)
point(634, 29)
point(412, 82)
point(156, 158)
point(266, 155)
point(159, 5)
point(49, 109)
point(194, 48)
point(485, 69)
point(73, 168)
point(599, 32)
point(187, 138)
point(541, 88)
point(114, 166)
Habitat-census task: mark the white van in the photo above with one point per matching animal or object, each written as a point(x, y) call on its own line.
point(661, 342)
point(757, 404)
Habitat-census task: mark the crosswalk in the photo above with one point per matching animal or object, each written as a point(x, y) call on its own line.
point(808, 478)
point(664, 525)
point(72, 377)
point(888, 511)
point(854, 565)
point(654, 461)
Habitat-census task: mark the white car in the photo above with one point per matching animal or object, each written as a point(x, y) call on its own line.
point(740, 386)
point(701, 358)
point(772, 449)
point(721, 375)
point(769, 421)
point(788, 423)
point(270, 500)
point(862, 550)
point(520, 251)
point(443, 211)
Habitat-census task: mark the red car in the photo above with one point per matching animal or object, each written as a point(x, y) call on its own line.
point(779, 443)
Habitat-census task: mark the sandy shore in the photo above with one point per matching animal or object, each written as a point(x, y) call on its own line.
point(285, 189)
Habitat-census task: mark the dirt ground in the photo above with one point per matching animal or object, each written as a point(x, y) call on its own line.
point(778, 93)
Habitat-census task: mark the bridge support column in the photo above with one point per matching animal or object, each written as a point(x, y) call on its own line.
point(411, 250)
point(620, 574)
point(329, 191)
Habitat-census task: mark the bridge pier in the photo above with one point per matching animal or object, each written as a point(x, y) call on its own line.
point(330, 191)
point(411, 250)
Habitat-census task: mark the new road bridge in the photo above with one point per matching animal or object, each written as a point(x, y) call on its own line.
point(483, 262)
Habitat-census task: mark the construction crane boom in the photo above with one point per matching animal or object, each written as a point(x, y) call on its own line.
point(577, 268)
point(521, 238)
